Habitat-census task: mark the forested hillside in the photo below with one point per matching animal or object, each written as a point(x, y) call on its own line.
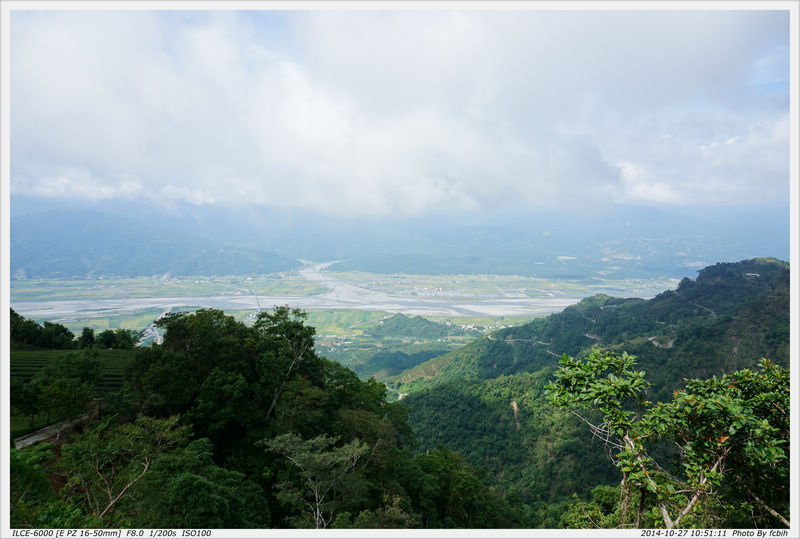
point(486, 399)
point(729, 317)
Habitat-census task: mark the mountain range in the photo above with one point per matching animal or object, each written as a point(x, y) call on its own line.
point(116, 238)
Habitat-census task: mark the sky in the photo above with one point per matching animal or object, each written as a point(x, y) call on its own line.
point(402, 113)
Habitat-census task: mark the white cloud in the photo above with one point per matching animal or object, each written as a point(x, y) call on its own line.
point(399, 112)
point(638, 186)
point(79, 183)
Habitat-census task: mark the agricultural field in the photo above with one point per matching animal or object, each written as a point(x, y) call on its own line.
point(137, 320)
point(279, 284)
point(25, 363)
point(380, 344)
point(344, 323)
point(500, 286)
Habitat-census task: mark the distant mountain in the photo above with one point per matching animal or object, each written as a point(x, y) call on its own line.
point(486, 400)
point(81, 244)
point(610, 242)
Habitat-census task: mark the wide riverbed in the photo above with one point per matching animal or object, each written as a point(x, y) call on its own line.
point(340, 295)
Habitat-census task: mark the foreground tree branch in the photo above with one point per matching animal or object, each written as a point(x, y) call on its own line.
point(736, 420)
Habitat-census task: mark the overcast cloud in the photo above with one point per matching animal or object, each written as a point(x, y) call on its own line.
point(384, 112)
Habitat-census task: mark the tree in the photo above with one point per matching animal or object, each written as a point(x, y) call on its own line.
point(86, 340)
point(65, 385)
point(48, 335)
point(56, 336)
point(34, 503)
point(15, 324)
point(28, 479)
point(393, 514)
point(125, 339)
point(734, 426)
point(186, 489)
point(324, 471)
point(285, 344)
point(104, 463)
point(64, 398)
point(25, 398)
point(106, 338)
point(120, 339)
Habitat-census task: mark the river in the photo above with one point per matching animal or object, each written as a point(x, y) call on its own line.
point(340, 295)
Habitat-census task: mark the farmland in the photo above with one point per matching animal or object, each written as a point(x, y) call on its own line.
point(278, 284)
point(25, 363)
point(499, 286)
point(105, 303)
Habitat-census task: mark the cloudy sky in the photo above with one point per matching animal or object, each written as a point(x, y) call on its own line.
point(402, 112)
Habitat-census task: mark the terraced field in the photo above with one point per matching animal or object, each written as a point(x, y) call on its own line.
point(26, 363)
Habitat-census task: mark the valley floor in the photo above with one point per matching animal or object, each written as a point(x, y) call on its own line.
point(134, 303)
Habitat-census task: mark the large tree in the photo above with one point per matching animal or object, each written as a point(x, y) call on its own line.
point(325, 472)
point(103, 464)
point(729, 435)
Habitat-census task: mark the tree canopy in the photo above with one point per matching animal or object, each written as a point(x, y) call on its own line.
point(727, 436)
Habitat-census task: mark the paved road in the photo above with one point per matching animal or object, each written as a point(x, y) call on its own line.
point(49, 432)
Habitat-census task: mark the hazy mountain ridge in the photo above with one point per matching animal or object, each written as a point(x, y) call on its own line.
point(614, 242)
point(64, 244)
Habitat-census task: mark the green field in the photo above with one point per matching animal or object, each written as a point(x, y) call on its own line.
point(281, 284)
point(344, 322)
point(346, 335)
point(137, 319)
point(26, 363)
point(358, 339)
point(293, 284)
point(500, 286)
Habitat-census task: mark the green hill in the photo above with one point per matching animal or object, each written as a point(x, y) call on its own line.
point(415, 327)
point(728, 318)
point(485, 400)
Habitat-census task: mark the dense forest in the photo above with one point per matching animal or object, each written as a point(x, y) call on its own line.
point(551, 424)
point(228, 426)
